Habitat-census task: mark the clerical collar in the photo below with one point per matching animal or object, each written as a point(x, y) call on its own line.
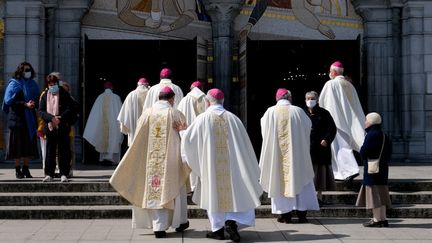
point(196, 92)
point(216, 108)
point(165, 81)
point(283, 102)
point(162, 104)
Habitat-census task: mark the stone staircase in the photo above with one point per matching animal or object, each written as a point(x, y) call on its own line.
point(93, 199)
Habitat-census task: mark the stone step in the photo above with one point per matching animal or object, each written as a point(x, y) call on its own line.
point(113, 198)
point(124, 211)
point(38, 186)
point(102, 185)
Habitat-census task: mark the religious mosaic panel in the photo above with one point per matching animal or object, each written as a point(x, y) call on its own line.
point(259, 19)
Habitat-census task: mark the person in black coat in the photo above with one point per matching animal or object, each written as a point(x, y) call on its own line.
point(58, 111)
point(322, 134)
point(374, 193)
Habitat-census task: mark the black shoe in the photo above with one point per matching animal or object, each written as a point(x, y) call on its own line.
point(285, 218)
point(231, 229)
point(18, 172)
point(26, 172)
point(217, 235)
point(182, 227)
point(350, 179)
point(384, 223)
point(302, 217)
point(106, 163)
point(322, 203)
point(160, 234)
point(372, 223)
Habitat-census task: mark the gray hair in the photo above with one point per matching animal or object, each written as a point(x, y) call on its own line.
point(312, 94)
point(338, 70)
point(213, 100)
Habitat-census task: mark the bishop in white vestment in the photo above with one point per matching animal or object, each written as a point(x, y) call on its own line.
point(193, 104)
point(165, 80)
point(102, 128)
point(152, 175)
point(132, 109)
point(219, 151)
point(340, 98)
point(286, 166)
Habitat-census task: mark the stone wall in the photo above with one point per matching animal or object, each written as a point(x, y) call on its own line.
point(397, 50)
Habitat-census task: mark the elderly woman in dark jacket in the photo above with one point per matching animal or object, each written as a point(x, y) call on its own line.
point(374, 193)
point(322, 135)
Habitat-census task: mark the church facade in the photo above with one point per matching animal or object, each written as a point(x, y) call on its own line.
point(235, 45)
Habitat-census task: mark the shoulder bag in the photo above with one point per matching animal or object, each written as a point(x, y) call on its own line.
point(373, 164)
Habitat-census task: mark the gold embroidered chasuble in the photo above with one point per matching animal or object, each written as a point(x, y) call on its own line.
point(105, 123)
point(223, 174)
point(219, 151)
point(285, 161)
point(151, 172)
point(284, 141)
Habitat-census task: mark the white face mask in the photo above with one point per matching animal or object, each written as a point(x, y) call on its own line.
point(311, 103)
point(27, 75)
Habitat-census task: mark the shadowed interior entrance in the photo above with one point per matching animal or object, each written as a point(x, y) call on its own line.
point(299, 66)
point(123, 62)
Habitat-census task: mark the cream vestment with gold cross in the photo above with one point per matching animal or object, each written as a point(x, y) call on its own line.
point(151, 173)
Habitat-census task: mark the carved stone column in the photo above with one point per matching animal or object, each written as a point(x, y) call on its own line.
point(223, 13)
point(67, 40)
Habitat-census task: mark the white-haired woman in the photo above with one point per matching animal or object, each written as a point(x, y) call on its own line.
point(374, 193)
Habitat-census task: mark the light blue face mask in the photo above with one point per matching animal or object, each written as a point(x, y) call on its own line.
point(53, 89)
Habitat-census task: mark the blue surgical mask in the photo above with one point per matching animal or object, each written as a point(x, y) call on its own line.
point(27, 75)
point(53, 89)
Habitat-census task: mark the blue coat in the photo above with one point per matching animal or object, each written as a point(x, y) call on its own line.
point(371, 149)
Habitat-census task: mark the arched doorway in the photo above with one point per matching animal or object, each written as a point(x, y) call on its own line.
point(123, 62)
point(298, 65)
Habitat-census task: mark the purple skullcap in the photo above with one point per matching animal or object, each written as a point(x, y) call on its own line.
point(166, 89)
point(337, 64)
point(142, 81)
point(197, 84)
point(216, 93)
point(281, 92)
point(108, 85)
point(165, 73)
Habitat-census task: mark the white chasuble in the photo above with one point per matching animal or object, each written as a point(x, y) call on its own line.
point(193, 104)
point(151, 173)
point(131, 111)
point(285, 162)
point(102, 128)
point(153, 93)
point(219, 151)
point(340, 98)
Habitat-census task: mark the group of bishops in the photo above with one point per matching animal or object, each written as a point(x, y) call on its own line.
point(181, 144)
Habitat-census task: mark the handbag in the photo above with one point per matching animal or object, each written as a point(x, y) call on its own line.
point(373, 164)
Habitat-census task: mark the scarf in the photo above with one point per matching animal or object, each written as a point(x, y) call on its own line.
point(52, 107)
